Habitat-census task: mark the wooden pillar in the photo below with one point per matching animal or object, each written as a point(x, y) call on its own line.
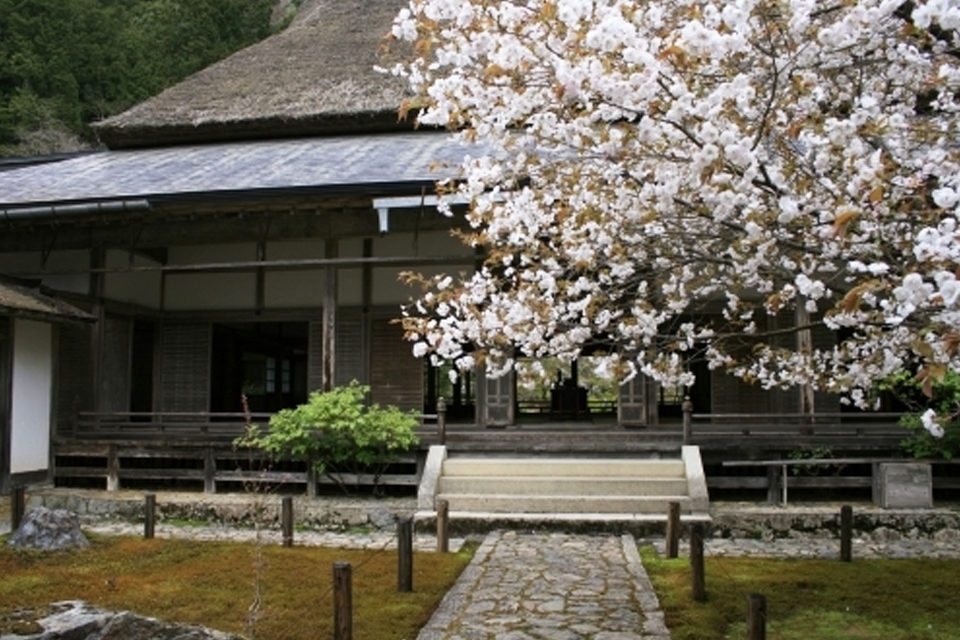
point(756, 617)
point(443, 519)
point(149, 514)
point(113, 468)
point(329, 329)
point(846, 533)
point(687, 408)
point(342, 601)
point(286, 521)
point(366, 314)
point(805, 346)
point(697, 568)
point(442, 420)
point(405, 554)
point(673, 530)
point(260, 292)
point(18, 507)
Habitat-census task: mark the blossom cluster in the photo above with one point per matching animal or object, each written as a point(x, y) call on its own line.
point(678, 179)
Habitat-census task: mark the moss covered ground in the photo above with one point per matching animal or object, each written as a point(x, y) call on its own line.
point(213, 584)
point(914, 599)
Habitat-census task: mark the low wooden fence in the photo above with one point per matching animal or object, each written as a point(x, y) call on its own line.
point(117, 449)
point(789, 431)
point(118, 464)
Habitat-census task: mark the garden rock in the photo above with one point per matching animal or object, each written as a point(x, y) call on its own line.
point(383, 519)
point(77, 620)
point(49, 530)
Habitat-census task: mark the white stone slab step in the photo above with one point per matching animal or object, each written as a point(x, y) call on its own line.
point(562, 503)
point(564, 485)
point(533, 518)
point(474, 466)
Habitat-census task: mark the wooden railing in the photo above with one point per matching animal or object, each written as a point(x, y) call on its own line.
point(201, 426)
point(786, 428)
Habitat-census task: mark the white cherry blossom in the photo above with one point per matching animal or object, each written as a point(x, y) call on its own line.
point(666, 180)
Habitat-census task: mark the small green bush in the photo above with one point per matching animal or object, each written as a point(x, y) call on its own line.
point(335, 432)
point(944, 399)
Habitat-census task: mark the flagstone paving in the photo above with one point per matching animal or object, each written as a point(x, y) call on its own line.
point(556, 586)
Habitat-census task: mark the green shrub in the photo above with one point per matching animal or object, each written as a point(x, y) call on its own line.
point(943, 397)
point(335, 432)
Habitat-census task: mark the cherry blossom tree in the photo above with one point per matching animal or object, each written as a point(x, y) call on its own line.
point(666, 179)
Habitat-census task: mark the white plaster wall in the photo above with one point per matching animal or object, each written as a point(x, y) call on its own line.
point(30, 261)
point(32, 389)
point(387, 289)
point(294, 289)
point(350, 287)
point(208, 291)
point(425, 243)
point(141, 288)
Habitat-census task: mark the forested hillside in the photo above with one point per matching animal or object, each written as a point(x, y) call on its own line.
point(67, 63)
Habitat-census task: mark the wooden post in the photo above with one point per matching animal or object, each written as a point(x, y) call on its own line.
point(311, 482)
point(773, 485)
point(209, 472)
point(18, 507)
point(149, 514)
point(756, 617)
point(673, 530)
point(113, 468)
point(286, 521)
point(405, 554)
point(687, 408)
point(699, 585)
point(443, 517)
point(846, 533)
point(442, 420)
point(342, 601)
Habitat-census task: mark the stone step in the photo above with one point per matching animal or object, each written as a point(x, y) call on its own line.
point(473, 522)
point(562, 503)
point(566, 485)
point(554, 467)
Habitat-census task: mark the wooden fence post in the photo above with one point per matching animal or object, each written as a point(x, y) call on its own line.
point(113, 469)
point(443, 518)
point(209, 472)
point(756, 617)
point(442, 420)
point(699, 585)
point(404, 553)
point(149, 514)
point(18, 507)
point(286, 521)
point(846, 533)
point(673, 530)
point(342, 601)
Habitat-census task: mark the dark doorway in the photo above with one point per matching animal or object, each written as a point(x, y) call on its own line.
point(141, 366)
point(266, 361)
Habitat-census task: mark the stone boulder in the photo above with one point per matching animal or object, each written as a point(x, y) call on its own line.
point(77, 620)
point(49, 530)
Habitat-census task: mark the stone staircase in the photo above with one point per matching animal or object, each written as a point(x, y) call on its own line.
point(540, 487)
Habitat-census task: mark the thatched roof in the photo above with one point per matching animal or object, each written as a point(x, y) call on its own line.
point(30, 302)
point(317, 76)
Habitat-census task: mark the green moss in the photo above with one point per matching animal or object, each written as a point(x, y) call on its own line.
point(211, 583)
point(822, 599)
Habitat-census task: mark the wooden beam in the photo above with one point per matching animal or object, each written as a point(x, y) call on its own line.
point(195, 227)
point(256, 266)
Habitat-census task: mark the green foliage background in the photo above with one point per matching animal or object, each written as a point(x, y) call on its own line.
point(67, 63)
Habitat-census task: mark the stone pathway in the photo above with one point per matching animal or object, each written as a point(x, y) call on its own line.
point(551, 586)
